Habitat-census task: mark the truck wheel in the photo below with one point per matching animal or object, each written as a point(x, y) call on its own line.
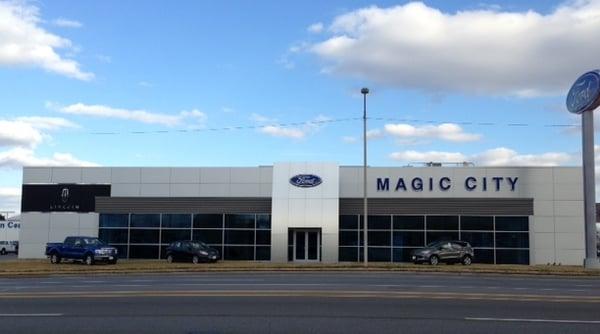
point(434, 260)
point(195, 259)
point(89, 260)
point(54, 258)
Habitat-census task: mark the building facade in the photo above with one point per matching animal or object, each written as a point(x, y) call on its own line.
point(310, 212)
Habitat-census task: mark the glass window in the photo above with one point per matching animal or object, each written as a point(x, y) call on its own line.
point(402, 254)
point(114, 220)
point(263, 237)
point(348, 238)
point(176, 221)
point(208, 221)
point(113, 236)
point(380, 254)
point(144, 237)
point(348, 222)
point(483, 256)
point(143, 252)
point(477, 223)
point(208, 236)
point(512, 256)
point(348, 254)
point(169, 236)
point(478, 239)
point(409, 222)
point(378, 222)
point(145, 220)
point(512, 240)
point(442, 223)
point(239, 221)
point(263, 221)
point(239, 237)
point(512, 224)
point(441, 236)
point(239, 253)
point(379, 238)
point(263, 253)
point(409, 239)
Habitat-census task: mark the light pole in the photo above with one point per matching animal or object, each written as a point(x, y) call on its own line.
point(364, 92)
point(583, 98)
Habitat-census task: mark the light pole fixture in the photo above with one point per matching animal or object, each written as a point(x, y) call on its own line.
point(583, 98)
point(364, 92)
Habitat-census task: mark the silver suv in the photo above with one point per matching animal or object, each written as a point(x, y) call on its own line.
point(444, 251)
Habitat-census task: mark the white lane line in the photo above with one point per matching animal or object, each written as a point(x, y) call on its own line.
point(536, 320)
point(7, 315)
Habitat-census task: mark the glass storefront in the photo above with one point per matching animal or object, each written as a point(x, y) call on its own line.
point(495, 239)
point(146, 236)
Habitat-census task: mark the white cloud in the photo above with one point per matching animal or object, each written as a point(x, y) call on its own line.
point(18, 157)
point(415, 156)
point(10, 199)
point(480, 51)
point(447, 131)
point(24, 43)
point(500, 156)
point(66, 23)
point(143, 116)
point(19, 134)
point(47, 123)
point(278, 131)
point(349, 139)
point(506, 157)
point(270, 127)
point(315, 28)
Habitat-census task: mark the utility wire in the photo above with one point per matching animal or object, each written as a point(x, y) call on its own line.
point(335, 120)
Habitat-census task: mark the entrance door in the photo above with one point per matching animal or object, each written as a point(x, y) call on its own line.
point(306, 245)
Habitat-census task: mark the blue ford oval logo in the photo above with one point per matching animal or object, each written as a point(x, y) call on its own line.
point(584, 95)
point(305, 180)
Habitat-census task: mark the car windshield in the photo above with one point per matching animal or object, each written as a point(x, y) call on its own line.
point(199, 245)
point(92, 241)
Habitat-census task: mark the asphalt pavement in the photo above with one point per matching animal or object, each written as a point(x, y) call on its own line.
point(300, 302)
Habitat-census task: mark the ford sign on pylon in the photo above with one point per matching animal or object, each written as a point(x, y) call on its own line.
point(305, 180)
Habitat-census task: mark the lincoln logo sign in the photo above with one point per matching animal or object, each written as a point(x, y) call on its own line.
point(305, 180)
point(64, 195)
point(470, 183)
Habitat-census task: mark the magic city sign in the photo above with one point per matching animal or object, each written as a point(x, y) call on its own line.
point(445, 183)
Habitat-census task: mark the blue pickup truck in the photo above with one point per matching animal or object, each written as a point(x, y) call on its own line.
point(86, 249)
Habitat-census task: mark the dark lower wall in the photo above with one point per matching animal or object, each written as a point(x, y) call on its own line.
point(182, 205)
point(446, 206)
point(348, 206)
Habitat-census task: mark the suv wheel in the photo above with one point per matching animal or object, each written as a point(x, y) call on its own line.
point(170, 258)
point(89, 260)
point(434, 260)
point(54, 258)
point(3, 251)
point(467, 260)
point(195, 259)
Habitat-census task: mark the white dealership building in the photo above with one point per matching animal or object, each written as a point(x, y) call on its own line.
point(310, 212)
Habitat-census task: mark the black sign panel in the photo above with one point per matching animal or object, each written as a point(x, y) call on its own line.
point(62, 197)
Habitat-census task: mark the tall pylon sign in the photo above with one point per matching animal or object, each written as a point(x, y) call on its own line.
point(583, 99)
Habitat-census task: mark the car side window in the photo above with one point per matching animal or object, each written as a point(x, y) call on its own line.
point(68, 241)
point(178, 245)
point(77, 243)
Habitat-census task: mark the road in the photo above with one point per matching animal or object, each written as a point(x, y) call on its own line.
point(299, 302)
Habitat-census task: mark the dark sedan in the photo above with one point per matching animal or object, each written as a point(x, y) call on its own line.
point(444, 251)
point(194, 251)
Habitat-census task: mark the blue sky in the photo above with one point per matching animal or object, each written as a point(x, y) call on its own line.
point(181, 72)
